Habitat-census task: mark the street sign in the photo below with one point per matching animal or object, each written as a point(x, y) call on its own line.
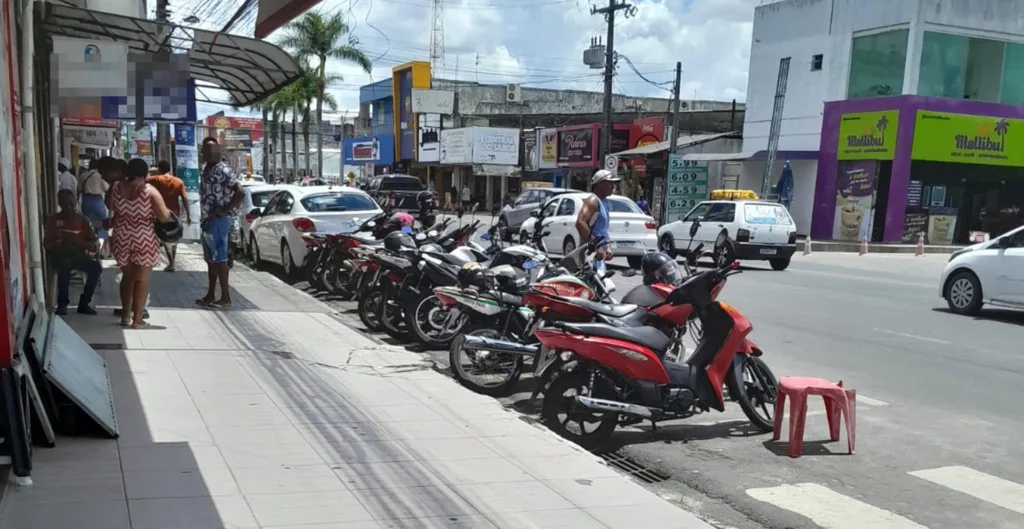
point(118, 152)
point(687, 186)
point(611, 163)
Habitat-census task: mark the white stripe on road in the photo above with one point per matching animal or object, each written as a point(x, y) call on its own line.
point(914, 336)
point(985, 487)
point(870, 401)
point(829, 509)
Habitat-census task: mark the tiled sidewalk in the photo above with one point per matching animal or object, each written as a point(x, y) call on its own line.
point(275, 415)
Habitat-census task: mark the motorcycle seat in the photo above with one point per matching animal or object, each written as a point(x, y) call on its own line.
point(510, 299)
point(604, 309)
point(367, 241)
point(648, 337)
point(451, 258)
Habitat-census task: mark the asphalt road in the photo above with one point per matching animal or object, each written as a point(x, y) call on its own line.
point(939, 426)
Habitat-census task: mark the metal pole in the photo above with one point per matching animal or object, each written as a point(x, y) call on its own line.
point(163, 130)
point(609, 71)
point(674, 137)
point(28, 128)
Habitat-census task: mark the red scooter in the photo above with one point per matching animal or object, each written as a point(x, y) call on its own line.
point(621, 376)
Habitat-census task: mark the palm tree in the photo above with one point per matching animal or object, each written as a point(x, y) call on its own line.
point(264, 107)
point(316, 35)
point(1001, 128)
point(883, 123)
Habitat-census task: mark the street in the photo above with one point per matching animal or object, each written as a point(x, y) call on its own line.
point(937, 421)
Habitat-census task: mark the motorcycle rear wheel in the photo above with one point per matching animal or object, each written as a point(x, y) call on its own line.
point(392, 317)
point(427, 307)
point(336, 279)
point(369, 308)
point(757, 395)
point(501, 388)
point(560, 411)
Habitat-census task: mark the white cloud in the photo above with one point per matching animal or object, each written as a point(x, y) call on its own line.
point(541, 42)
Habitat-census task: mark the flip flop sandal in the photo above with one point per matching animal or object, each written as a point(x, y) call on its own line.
point(203, 303)
point(125, 323)
point(143, 325)
point(220, 306)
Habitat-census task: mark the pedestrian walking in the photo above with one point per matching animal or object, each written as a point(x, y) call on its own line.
point(172, 189)
point(93, 187)
point(220, 196)
point(135, 205)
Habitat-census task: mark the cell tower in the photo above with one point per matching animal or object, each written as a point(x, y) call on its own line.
point(437, 36)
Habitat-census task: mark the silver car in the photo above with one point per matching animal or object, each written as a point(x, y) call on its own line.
point(513, 216)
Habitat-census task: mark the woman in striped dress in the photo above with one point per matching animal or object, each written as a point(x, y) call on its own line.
point(133, 241)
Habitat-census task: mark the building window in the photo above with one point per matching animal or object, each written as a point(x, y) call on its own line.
point(1012, 92)
point(877, 63)
point(962, 67)
point(816, 62)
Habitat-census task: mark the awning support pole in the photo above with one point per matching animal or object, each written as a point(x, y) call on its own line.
point(31, 171)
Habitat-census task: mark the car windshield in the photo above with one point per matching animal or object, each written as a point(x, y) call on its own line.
point(398, 183)
point(621, 205)
point(338, 202)
point(259, 200)
point(766, 214)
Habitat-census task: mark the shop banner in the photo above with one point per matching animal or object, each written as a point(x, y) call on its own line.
point(620, 137)
point(868, 135)
point(915, 223)
point(548, 140)
point(239, 140)
point(457, 146)
point(941, 225)
point(577, 146)
point(495, 146)
point(530, 150)
point(687, 186)
point(647, 131)
point(186, 155)
point(222, 124)
point(962, 138)
point(855, 198)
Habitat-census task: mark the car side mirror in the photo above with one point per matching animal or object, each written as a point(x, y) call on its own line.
point(1004, 242)
point(535, 213)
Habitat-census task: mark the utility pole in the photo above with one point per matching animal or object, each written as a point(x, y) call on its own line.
point(674, 136)
point(163, 129)
point(609, 67)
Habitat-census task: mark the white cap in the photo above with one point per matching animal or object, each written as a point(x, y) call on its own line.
point(65, 162)
point(604, 175)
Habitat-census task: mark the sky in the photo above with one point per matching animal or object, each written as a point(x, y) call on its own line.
point(540, 43)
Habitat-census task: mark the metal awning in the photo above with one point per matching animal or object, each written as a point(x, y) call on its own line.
point(683, 142)
point(248, 70)
point(718, 156)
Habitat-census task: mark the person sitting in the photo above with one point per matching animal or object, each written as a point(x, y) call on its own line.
point(72, 245)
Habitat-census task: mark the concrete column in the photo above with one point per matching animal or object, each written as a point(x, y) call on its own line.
point(489, 195)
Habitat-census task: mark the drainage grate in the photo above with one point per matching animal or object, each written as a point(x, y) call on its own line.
point(631, 468)
point(107, 346)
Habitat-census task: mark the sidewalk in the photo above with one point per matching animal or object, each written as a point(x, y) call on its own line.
point(276, 415)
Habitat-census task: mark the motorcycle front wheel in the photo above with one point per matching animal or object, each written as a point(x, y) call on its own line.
point(756, 391)
point(369, 308)
point(392, 315)
point(310, 271)
point(427, 320)
point(470, 368)
point(563, 415)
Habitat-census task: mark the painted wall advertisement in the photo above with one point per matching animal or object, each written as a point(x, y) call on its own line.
point(855, 200)
point(548, 140)
point(962, 138)
point(495, 146)
point(647, 131)
point(457, 146)
point(868, 135)
point(530, 150)
point(428, 144)
point(577, 146)
point(687, 186)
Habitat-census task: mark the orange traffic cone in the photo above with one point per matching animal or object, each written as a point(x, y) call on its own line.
point(807, 245)
point(920, 244)
point(864, 246)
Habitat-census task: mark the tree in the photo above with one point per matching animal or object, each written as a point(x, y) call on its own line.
point(319, 36)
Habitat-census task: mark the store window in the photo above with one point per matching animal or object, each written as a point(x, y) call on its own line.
point(1012, 92)
point(962, 67)
point(943, 65)
point(877, 63)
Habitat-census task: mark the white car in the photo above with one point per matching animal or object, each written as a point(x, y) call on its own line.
point(989, 272)
point(631, 233)
point(276, 233)
point(760, 231)
point(254, 199)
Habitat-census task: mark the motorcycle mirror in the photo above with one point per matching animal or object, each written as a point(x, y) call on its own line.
point(371, 224)
point(432, 234)
point(694, 227)
point(421, 237)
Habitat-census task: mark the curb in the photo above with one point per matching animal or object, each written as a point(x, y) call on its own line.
point(855, 247)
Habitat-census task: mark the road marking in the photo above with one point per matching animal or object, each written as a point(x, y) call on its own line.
point(829, 509)
point(870, 401)
point(985, 487)
point(914, 336)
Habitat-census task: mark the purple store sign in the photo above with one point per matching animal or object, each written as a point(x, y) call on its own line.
point(824, 215)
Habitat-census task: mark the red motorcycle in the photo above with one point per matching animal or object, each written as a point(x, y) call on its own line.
point(621, 376)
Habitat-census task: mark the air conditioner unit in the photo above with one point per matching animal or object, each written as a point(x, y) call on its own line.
point(514, 93)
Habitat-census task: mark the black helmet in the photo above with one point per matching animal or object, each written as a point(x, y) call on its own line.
point(470, 273)
point(396, 241)
point(657, 267)
point(170, 231)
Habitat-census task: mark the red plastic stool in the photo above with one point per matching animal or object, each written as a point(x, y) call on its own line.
point(837, 401)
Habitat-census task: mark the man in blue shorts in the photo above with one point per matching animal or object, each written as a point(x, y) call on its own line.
point(220, 196)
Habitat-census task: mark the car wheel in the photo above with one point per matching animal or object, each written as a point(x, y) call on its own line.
point(568, 246)
point(255, 250)
point(634, 261)
point(286, 260)
point(779, 264)
point(963, 293)
point(667, 245)
point(723, 255)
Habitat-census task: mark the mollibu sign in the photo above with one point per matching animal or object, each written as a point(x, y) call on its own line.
point(982, 141)
point(576, 146)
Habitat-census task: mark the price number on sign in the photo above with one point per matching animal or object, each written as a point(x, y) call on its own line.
point(683, 176)
point(677, 162)
point(687, 190)
point(686, 204)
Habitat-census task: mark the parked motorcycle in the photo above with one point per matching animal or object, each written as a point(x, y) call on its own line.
point(621, 377)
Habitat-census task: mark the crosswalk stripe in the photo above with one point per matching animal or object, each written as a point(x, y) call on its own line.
point(985, 487)
point(830, 509)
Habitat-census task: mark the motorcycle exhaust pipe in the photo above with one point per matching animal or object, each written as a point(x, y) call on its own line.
point(479, 343)
point(615, 407)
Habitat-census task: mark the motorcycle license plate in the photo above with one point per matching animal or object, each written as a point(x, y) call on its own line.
point(769, 251)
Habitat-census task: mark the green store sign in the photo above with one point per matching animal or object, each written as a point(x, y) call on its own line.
point(868, 135)
point(963, 138)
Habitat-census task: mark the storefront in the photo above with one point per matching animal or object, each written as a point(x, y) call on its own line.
point(892, 168)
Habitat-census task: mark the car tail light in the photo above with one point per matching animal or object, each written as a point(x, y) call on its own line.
point(249, 217)
point(742, 235)
point(792, 238)
point(651, 225)
point(304, 225)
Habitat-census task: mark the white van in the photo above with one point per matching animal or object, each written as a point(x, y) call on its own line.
point(989, 272)
point(761, 231)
